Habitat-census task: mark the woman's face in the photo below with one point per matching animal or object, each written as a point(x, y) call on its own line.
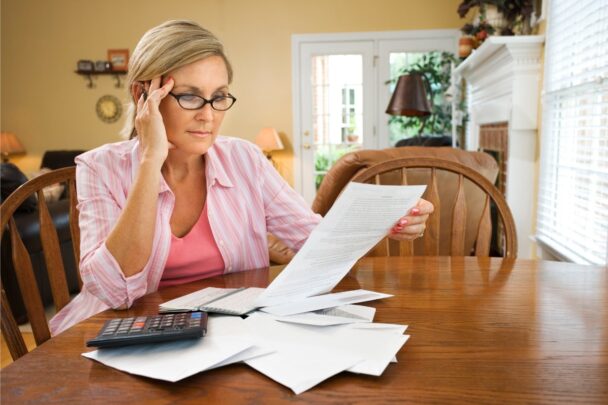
point(194, 131)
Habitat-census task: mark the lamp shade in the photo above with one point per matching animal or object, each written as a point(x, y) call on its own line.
point(409, 97)
point(268, 140)
point(10, 144)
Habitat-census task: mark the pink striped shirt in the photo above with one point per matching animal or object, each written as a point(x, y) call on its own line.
point(246, 198)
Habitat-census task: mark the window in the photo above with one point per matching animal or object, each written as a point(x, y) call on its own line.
point(572, 218)
point(349, 114)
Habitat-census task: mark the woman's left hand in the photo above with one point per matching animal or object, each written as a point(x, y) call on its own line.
point(412, 225)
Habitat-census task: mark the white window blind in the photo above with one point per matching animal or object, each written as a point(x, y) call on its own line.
point(572, 218)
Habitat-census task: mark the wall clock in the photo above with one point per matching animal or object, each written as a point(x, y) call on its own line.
point(108, 108)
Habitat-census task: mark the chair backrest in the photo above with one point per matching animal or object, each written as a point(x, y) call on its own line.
point(10, 329)
point(52, 257)
point(404, 170)
point(343, 170)
point(353, 163)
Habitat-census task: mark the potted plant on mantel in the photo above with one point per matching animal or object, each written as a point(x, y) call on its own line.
point(503, 17)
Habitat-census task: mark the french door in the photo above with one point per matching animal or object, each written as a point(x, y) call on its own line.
point(340, 92)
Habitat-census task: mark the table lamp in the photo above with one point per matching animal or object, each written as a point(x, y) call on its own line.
point(268, 140)
point(10, 145)
point(409, 98)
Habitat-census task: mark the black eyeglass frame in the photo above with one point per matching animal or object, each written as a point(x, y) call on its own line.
point(205, 101)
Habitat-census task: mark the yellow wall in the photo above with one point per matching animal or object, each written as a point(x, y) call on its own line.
point(49, 107)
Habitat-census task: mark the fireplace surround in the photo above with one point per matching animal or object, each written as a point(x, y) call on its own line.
point(503, 92)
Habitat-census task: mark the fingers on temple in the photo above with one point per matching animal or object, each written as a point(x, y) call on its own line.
point(158, 92)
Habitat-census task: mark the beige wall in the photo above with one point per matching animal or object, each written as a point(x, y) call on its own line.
point(49, 107)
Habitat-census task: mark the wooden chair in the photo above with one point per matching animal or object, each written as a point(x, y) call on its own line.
point(52, 257)
point(397, 171)
point(349, 165)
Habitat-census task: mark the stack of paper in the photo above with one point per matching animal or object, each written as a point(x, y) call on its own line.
point(306, 355)
point(230, 301)
point(299, 351)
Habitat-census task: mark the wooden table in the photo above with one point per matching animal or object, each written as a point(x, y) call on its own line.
point(482, 331)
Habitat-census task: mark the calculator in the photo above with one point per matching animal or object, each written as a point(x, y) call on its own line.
point(151, 329)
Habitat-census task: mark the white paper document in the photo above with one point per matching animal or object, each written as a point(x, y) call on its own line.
point(227, 341)
point(297, 356)
point(307, 355)
point(324, 301)
point(358, 220)
point(171, 361)
point(333, 316)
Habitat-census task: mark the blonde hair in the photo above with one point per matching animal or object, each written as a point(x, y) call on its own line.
point(164, 48)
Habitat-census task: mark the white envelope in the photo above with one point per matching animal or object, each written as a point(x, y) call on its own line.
point(227, 341)
point(171, 361)
point(306, 355)
point(324, 301)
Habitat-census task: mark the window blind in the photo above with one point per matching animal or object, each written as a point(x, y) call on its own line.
point(572, 218)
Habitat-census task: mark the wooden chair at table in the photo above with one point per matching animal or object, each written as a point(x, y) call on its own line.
point(451, 236)
point(352, 163)
point(52, 257)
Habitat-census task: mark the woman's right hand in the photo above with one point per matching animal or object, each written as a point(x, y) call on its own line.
point(149, 122)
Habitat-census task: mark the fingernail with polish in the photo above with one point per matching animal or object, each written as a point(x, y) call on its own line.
point(415, 211)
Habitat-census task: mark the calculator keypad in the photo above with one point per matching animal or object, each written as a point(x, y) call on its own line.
point(148, 329)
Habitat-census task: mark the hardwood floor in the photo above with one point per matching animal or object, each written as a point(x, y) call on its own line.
point(28, 336)
point(5, 355)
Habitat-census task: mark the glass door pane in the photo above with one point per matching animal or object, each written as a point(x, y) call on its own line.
point(436, 69)
point(401, 127)
point(337, 109)
point(414, 50)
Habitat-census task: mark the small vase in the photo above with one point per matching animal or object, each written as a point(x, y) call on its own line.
point(465, 46)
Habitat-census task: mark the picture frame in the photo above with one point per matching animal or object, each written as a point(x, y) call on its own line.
point(119, 58)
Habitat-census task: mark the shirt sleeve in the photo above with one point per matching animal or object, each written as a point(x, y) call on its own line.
point(288, 216)
point(99, 210)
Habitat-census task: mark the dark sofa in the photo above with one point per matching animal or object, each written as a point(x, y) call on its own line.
point(26, 219)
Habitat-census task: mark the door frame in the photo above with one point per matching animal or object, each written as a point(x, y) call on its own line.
point(382, 41)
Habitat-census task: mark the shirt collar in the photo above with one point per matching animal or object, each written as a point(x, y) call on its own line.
point(214, 169)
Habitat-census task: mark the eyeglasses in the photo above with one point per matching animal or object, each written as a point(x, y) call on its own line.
point(194, 102)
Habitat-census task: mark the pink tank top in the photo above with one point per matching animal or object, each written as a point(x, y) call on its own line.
point(194, 256)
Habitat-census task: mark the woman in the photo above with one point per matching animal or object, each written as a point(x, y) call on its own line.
point(176, 203)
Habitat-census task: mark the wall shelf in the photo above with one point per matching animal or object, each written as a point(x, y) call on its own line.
point(90, 74)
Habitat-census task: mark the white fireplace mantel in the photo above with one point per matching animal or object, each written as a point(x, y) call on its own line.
point(503, 85)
